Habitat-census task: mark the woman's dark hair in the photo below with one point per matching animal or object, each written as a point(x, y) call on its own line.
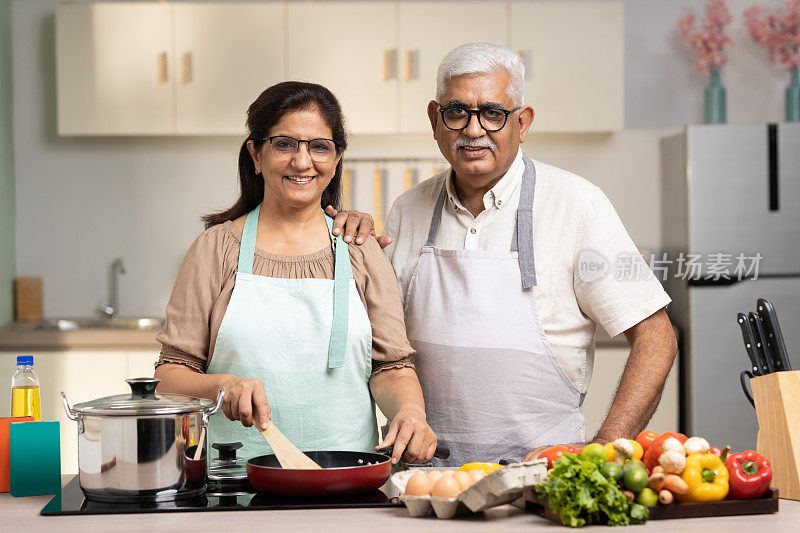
point(262, 115)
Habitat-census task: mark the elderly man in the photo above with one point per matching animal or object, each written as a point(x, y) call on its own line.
point(488, 256)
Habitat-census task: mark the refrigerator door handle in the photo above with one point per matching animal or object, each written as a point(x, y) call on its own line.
point(772, 143)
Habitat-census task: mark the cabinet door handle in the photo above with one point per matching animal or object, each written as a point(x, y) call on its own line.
point(163, 72)
point(389, 64)
point(186, 64)
point(411, 64)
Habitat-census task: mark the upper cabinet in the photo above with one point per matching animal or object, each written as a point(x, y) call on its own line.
point(225, 56)
point(351, 48)
point(573, 54)
point(428, 30)
point(113, 69)
point(163, 69)
point(150, 68)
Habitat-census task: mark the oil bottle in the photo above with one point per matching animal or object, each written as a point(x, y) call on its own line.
point(25, 399)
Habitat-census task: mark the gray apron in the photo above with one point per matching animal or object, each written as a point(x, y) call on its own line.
point(493, 388)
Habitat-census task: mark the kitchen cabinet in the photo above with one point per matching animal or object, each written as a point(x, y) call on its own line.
point(608, 366)
point(83, 376)
point(573, 53)
point(136, 68)
point(427, 31)
point(225, 56)
point(163, 68)
point(351, 48)
point(112, 69)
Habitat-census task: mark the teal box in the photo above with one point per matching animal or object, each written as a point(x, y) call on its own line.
point(35, 458)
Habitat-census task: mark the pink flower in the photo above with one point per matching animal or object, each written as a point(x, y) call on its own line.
point(778, 31)
point(709, 40)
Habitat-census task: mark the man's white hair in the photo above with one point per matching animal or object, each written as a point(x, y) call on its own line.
point(482, 58)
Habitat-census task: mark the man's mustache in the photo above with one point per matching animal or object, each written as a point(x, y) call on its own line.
point(484, 142)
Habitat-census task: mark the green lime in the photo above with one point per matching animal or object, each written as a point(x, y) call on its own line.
point(634, 479)
point(632, 463)
point(647, 497)
point(611, 471)
point(594, 451)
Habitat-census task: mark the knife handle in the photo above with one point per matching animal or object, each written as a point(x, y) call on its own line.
point(749, 342)
point(772, 328)
point(761, 345)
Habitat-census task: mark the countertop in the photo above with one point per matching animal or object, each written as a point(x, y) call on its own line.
point(22, 514)
point(16, 337)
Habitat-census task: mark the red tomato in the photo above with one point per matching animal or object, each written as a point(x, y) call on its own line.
point(555, 452)
point(646, 438)
point(652, 454)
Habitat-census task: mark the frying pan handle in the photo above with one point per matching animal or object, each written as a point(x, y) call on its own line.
point(442, 452)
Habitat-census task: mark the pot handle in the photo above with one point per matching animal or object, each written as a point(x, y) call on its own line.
point(210, 410)
point(71, 413)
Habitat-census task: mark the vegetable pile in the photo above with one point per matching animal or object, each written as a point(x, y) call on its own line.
point(614, 484)
point(581, 494)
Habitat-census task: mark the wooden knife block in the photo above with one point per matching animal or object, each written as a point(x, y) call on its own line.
point(777, 399)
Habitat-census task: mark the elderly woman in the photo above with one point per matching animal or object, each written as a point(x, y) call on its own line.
point(299, 327)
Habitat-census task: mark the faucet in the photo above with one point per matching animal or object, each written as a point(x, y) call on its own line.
point(111, 309)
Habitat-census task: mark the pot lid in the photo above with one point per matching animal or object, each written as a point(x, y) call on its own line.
point(143, 400)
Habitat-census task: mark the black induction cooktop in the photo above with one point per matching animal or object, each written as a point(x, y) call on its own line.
point(71, 501)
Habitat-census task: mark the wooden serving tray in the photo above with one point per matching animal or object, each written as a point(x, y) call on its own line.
point(767, 504)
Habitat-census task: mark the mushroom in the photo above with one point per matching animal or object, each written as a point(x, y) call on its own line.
point(696, 445)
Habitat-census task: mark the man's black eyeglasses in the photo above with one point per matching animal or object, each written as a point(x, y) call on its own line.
point(490, 119)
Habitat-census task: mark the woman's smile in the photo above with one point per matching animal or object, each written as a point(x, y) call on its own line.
point(300, 180)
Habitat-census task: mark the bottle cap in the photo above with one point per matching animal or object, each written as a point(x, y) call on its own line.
point(25, 360)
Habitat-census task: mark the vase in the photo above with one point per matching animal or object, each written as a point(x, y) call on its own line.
point(715, 100)
point(793, 98)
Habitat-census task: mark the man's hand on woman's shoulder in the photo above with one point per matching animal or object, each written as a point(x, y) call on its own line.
point(355, 224)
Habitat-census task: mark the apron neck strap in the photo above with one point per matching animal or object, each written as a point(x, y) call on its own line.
point(342, 274)
point(247, 248)
point(436, 220)
point(524, 226)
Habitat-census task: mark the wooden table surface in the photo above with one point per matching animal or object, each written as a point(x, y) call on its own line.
point(22, 515)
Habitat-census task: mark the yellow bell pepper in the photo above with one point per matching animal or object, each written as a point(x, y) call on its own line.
point(707, 477)
point(486, 468)
point(611, 453)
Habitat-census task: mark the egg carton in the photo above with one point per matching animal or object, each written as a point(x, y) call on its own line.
point(502, 486)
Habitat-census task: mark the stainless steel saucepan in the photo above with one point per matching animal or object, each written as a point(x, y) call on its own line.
point(132, 447)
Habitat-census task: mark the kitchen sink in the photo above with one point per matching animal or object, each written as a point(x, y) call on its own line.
point(72, 324)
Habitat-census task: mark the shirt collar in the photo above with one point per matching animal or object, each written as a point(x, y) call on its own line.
point(500, 194)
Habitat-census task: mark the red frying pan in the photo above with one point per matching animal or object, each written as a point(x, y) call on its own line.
point(341, 473)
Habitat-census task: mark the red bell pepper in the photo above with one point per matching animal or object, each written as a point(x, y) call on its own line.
point(653, 452)
point(554, 453)
point(750, 475)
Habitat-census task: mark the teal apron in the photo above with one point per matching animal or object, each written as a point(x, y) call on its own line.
point(310, 342)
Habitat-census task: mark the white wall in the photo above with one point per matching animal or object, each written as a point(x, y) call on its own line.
point(82, 202)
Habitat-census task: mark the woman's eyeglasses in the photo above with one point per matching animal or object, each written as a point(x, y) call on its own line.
point(320, 150)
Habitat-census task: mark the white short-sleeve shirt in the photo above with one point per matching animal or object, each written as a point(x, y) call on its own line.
point(588, 269)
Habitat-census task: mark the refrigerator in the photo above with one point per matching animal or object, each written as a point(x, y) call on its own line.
point(728, 190)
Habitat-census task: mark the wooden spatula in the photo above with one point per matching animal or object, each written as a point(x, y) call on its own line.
point(287, 453)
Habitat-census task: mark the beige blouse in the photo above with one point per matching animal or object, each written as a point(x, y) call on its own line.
point(207, 275)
